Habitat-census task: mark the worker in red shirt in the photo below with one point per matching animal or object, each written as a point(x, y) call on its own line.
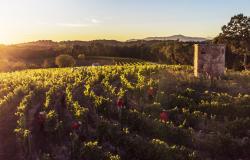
point(164, 116)
point(120, 103)
point(76, 125)
point(121, 110)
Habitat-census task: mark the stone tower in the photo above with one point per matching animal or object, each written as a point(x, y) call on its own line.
point(209, 60)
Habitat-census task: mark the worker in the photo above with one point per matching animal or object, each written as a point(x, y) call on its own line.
point(76, 125)
point(164, 116)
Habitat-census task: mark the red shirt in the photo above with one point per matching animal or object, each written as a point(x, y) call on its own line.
point(164, 116)
point(150, 91)
point(120, 103)
point(75, 125)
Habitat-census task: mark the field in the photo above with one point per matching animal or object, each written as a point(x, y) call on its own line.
point(113, 60)
point(113, 112)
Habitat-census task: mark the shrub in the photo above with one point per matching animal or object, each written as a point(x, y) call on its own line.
point(48, 63)
point(91, 150)
point(136, 147)
point(65, 60)
point(81, 56)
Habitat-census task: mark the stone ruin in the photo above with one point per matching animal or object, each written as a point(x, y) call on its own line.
point(209, 60)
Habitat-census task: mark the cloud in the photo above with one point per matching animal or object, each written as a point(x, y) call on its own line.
point(85, 23)
point(73, 24)
point(95, 21)
point(89, 22)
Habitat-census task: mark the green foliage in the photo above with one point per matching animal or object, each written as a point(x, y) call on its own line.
point(236, 32)
point(136, 147)
point(81, 117)
point(92, 151)
point(65, 60)
point(177, 52)
point(237, 35)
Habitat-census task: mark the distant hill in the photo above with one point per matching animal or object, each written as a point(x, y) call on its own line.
point(51, 44)
point(181, 38)
point(40, 43)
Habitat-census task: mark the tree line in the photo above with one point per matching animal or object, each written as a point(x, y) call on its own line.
point(235, 34)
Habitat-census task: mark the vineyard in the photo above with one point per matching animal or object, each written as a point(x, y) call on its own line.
point(124, 112)
point(102, 60)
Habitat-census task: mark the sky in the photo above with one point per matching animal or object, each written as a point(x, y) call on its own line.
point(58, 20)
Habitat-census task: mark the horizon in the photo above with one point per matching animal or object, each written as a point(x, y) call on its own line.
point(208, 38)
point(65, 20)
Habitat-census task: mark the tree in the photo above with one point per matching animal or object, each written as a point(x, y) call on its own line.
point(237, 35)
point(65, 60)
point(48, 63)
point(176, 52)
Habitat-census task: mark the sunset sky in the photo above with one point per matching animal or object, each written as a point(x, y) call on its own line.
point(30, 20)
